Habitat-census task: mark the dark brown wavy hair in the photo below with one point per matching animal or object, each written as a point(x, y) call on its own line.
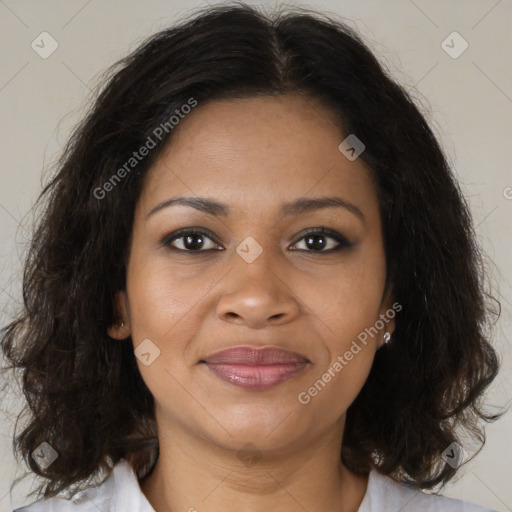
point(84, 393)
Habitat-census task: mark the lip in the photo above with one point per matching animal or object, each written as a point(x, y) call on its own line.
point(255, 368)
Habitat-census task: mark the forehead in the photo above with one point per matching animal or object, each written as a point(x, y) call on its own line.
point(258, 150)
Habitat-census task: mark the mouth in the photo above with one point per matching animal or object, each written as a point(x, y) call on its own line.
point(255, 368)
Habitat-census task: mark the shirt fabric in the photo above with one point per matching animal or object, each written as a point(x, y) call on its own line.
point(121, 492)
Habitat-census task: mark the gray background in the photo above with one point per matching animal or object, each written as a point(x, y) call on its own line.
point(470, 97)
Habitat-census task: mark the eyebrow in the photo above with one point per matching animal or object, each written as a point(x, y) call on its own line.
point(302, 205)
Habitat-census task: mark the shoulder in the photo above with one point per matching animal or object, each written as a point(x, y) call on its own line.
point(85, 501)
point(384, 494)
point(120, 492)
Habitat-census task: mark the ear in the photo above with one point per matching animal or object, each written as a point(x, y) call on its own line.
point(387, 314)
point(121, 329)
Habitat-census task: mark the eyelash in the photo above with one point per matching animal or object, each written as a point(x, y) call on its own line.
point(343, 243)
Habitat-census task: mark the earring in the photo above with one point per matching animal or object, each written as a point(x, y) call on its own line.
point(386, 337)
point(121, 324)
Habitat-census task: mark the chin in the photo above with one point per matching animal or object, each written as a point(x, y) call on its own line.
point(267, 432)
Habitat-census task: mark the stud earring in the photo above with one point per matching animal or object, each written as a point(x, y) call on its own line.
point(386, 337)
point(122, 324)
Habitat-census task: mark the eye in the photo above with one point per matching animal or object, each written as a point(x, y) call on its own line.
point(191, 240)
point(317, 240)
point(196, 240)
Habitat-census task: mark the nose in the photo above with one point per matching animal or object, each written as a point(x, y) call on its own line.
point(256, 295)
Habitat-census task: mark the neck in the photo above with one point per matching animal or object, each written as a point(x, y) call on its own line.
point(192, 474)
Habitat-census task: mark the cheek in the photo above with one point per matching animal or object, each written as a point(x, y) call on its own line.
point(345, 298)
point(164, 308)
point(337, 385)
point(342, 369)
point(345, 307)
point(169, 302)
point(168, 306)
point(161, 298)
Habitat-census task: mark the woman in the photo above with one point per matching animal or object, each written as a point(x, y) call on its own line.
point(254, 285)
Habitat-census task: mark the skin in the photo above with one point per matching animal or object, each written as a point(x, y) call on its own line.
point(254, 155)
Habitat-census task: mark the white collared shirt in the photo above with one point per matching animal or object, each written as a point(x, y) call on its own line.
point(121, 492)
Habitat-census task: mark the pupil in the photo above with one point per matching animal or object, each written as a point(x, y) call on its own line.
point(316, 243)
point(189, 243)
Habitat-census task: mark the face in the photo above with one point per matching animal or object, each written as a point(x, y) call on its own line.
point(257, 274)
